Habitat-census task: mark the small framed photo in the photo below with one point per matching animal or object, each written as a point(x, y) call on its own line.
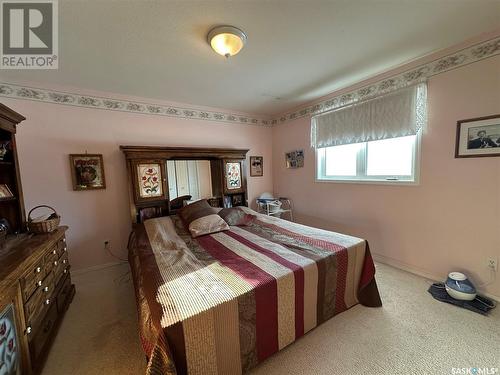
point(237, 200)
point(227, 202)
point(295, 159)
point(256, 166)
point(5, 192)
point(478, 137)
point(87, 171)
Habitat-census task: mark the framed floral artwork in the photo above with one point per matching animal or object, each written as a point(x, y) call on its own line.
point(150, 180)
point(87, 171)
point(233, 176)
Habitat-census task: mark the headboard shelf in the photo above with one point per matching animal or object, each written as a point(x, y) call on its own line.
point(148, 176)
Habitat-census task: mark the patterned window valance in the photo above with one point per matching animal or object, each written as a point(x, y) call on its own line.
point(397, 114)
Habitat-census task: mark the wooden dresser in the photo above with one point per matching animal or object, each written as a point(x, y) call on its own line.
point(35, 278)
point(35, 283)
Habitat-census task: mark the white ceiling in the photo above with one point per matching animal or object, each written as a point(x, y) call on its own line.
point(297, 50)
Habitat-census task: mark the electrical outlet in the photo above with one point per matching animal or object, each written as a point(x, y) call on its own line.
point(493, 264)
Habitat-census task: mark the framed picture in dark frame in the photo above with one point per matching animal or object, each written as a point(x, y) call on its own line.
point(478, 137)
point(87, 171)
point(256, 166)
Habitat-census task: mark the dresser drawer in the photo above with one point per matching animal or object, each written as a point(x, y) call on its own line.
point(51, 259)
point(43, 332)
point(64, 294)
point(61, 246)
point(39, 302)
point(32, 280)
point(62, 268)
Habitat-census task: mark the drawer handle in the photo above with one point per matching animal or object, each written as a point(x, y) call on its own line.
point(55, 262)
point(47, 301)
point(46, 289)
point(28, 330)
point(54, 252)
point(65, 270)
point(64, 261)
point(64, 239)
point(38, 283)
point(38, 269)
point(65, 248)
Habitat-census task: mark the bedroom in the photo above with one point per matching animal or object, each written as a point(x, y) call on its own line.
point(136, 85)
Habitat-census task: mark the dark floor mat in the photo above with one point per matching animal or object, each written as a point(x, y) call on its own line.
point(480, 304)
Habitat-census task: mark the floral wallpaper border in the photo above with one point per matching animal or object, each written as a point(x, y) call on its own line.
point(58, 97)
point(464, 57)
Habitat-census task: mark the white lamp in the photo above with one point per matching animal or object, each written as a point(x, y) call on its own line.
point(226, 40)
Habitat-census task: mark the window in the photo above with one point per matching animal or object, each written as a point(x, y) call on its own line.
point(393, 159)
point(377, 139)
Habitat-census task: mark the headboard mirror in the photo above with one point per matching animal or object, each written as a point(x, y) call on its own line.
point(189, 178)
point(161, 179)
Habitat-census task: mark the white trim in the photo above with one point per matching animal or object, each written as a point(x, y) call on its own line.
point(419, 272)
point(98, 267)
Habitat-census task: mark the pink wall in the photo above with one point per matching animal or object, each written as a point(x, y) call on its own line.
point(450, 221)
point(52, 131)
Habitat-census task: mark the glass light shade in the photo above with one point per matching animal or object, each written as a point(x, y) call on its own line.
point(226, 40)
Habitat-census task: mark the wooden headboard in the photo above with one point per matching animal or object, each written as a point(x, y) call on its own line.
point(148, 177)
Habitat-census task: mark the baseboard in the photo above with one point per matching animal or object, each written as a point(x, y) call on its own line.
point(419, 272)
point(97, 267)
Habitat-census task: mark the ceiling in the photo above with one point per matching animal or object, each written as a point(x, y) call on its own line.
point(296, 52)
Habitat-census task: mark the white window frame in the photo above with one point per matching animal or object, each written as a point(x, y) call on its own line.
point(320, 168)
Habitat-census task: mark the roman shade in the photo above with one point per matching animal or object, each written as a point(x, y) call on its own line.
point(397, 114)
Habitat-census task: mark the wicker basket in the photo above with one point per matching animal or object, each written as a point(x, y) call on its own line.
point(45, 226)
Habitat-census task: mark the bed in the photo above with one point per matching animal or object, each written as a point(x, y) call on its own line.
point(223, 302)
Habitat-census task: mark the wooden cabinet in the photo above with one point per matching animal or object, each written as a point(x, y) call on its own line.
point(36, 275)
point(35, 284)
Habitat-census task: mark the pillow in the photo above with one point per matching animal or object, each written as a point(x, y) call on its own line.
point(207, 224)
point(177, 203)
point(236, 216)
point(194, 211)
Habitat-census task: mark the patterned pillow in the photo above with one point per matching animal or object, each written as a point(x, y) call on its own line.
point(206, 225)
point(236, 216)
point(194, 211)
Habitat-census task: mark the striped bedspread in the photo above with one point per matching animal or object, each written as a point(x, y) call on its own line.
point(224, 302)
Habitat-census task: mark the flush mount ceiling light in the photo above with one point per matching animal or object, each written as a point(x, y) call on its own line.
point(226, 40)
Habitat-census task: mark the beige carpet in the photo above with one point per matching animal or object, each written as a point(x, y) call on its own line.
point(411, 334)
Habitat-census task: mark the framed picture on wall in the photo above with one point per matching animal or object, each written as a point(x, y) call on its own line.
point(295, 159)
point(478, 137)
point(87, 171)
point(256, 166)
